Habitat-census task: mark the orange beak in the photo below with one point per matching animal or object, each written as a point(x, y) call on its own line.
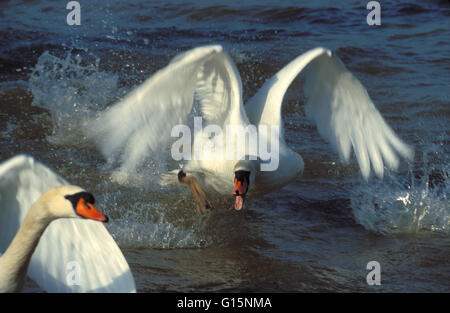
point(87, 210)
point(240, 189)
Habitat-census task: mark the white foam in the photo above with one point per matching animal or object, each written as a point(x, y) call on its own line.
point(72, 90)
point(392, 206)
point(136, 229)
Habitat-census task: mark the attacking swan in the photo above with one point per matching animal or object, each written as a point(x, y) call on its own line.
point(42, 234)
point(142, 123)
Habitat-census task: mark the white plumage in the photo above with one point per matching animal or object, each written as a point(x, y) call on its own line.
point(140, 124)
point(102, 267)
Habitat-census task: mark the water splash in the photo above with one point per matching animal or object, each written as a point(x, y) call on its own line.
point(393, 206)
point(132, 230)
point(151, 221)
point(72, 89)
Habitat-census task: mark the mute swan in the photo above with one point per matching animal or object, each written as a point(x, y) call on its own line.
point(142, 122)
point(61, 255)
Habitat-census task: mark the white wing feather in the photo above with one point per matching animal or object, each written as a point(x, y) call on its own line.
point(339, 105)
point(219, 90)
point(102, 267)
point(346, 117)
point(142, 122)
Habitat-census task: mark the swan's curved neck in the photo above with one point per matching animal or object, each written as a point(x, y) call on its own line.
point(14, 262)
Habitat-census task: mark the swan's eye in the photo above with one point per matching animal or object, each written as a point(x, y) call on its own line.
point(83, 205)
point(75, 198)
point(89, 198)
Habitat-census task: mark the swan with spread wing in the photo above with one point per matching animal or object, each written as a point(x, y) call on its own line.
point(51, 231)
point(141, 124)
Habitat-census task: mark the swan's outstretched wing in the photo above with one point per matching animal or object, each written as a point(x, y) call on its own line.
point(142, 122)
point(341, 108)
point(346, 117)
point(72, 255)
point(219, 90)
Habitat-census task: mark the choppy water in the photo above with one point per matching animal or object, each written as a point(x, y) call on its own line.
point(316, 234)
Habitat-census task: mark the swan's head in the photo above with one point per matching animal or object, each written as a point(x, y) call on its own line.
point(71, 202)
point(244, 176)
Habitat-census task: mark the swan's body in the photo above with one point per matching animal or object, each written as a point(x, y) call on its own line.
point(42, 235)
point(345, 116)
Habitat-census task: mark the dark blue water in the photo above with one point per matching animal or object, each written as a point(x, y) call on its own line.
point(316, 234)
